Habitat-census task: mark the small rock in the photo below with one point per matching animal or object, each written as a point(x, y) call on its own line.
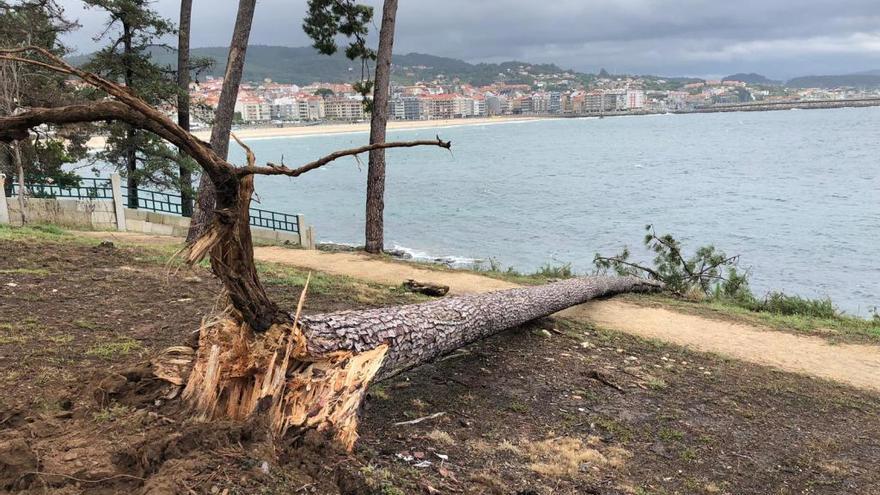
point(70, 456)
point(544, 333)
point(192, 279)
point(11, 284)
point(106, 245)
point(264, 467)
point(419, 455)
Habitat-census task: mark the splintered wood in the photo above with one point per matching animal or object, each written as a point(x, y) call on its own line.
point(237, 373)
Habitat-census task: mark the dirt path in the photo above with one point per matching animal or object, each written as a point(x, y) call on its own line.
point(853, 364)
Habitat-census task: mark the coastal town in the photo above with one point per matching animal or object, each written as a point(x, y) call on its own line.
point(565, 94)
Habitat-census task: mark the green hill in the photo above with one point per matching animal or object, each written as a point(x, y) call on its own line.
point(752, 78)
point(847, 81)
point(303, 65)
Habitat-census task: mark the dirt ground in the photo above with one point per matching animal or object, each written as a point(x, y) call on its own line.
point(557, 407)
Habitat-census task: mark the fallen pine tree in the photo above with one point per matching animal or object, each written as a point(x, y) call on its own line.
point(302, 372)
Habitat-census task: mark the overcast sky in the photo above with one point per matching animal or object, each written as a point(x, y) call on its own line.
point(705, 38)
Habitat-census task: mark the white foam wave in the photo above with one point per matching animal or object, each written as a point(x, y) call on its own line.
point(423, 256)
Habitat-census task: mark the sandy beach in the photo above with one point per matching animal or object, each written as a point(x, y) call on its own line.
point(343, 128)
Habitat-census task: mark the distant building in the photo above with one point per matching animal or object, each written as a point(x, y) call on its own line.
point(342, 108)
point(635, 99)
point(412, 108)
point(253, 109)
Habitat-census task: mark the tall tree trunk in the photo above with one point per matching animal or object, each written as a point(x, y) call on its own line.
point(375, 223)
point(183, 80)
point(224, 115)
point(131, 181)
point(314, 374)
point(130, 131)
point(22, 187)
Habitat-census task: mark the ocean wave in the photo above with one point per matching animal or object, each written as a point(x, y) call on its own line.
point(423, 256)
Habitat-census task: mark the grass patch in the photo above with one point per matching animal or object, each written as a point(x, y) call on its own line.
point(42, 272)
point(85, 324)
point(114, 349)
point(31, 232)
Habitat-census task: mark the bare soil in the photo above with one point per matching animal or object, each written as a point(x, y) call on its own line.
point(555, 407)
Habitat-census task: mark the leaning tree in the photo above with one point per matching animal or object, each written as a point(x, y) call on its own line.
point(301, 372)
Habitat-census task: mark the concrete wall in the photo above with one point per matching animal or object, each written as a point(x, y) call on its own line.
point(68, 212)
point(100, 214)
point(151, 222)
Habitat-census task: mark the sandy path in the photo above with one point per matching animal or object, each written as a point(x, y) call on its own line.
point(854, 364)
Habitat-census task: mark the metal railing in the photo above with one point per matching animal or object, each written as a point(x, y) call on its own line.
point(274, 220)
point(84, 188)
point(156, 201)
point(170, 203)
point(163, 202)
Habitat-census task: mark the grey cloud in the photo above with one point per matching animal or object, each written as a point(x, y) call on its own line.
point(687, 37)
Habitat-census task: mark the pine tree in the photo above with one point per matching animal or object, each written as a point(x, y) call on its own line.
point(132, 28)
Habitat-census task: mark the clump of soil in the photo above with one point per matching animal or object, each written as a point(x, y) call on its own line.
point(554, 407)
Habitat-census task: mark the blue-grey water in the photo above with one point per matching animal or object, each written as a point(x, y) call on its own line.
point(795, 193)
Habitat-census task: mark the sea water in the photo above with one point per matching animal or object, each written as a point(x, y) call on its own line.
point(795, 193)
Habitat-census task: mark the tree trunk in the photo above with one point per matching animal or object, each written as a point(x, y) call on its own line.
point(375, 224)
point(131, 179)
point(22, 185)
point(130, 131)
point(183, 80)
point(224, 115)
point(312, 375)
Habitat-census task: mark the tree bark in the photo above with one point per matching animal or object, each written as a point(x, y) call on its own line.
point(419, 333)
point(224, 115)
point(183, 80)
point(375, 224)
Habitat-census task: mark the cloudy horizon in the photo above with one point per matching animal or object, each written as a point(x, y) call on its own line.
point(670, 38)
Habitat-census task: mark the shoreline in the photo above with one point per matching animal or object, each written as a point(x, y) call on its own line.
point(294, 131)
point(338, 128)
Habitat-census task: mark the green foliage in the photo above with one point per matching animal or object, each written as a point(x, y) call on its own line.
point(327, 19)
point(555, 271)
point(700, 272)
point(784, 304)
point(710, 274)
point(324, 92)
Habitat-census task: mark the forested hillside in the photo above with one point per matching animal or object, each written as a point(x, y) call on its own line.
point(304, 65)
